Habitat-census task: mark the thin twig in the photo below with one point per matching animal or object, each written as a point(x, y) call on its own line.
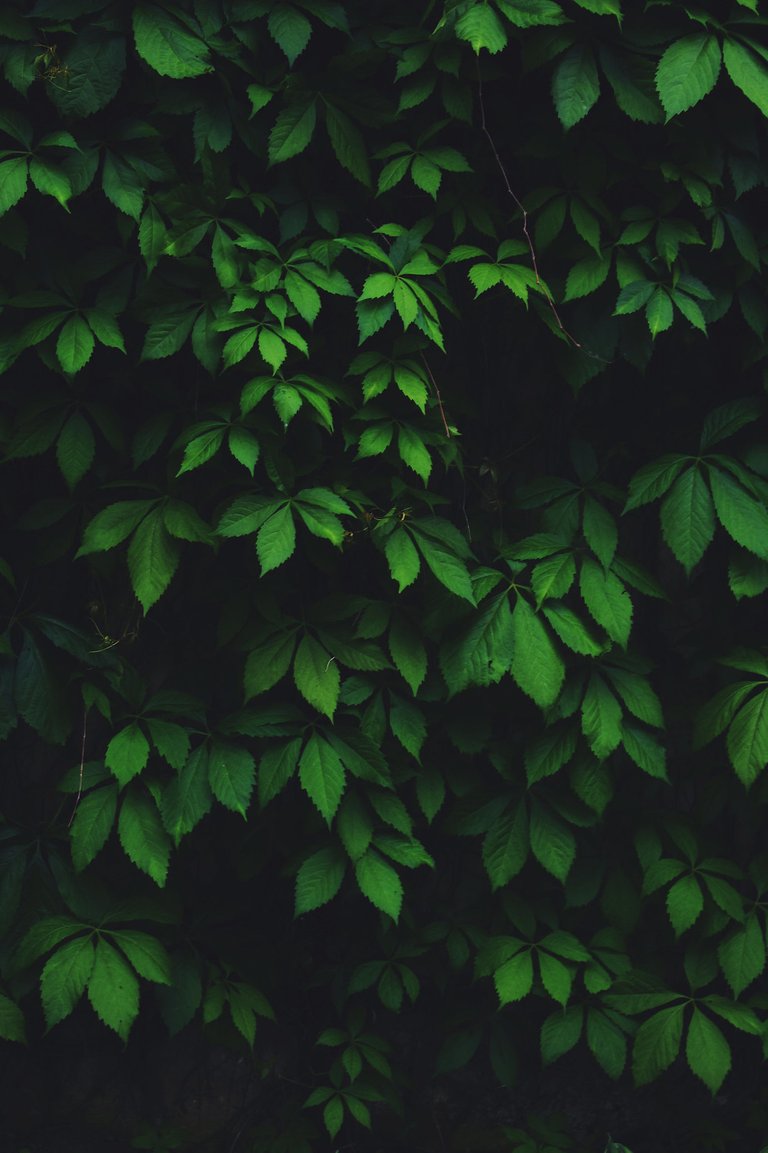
point(438, 397)
point(82, 767)
point(521, 208)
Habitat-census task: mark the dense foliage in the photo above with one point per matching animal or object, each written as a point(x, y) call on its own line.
point(386, 505)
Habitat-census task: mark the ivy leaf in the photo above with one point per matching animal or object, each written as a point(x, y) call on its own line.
point(167, 45)
point(127, 753)
point(143, 837)
point(317, 675)
point(319, 879)
point(536, 666)
point(292, 132)
point(92, 824)
point(290, 29)
point(64, 978)
point(113, 990)
point(748, 71)
point(322, 776)
point(657, 1044)
point(505, 846)
point(687, 71)
point(607, 600)
point(232, 774)
point(380, 883)
point(575, 85)
point(153, 557)
point(276, 539)
point(743, 518)
point(748, 739)
point(707, 1051)
point(74, 346)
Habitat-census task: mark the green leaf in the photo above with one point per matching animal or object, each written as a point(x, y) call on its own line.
point(95, 65)
point(514, 979)
point(748, 739)
point(268, 664)
point(146, 954)
point(276, 540)
point(322, 776)
point(127, 753)
point(276, 768)
point(743, 518)
point(407, 724)
point(167, 45)
point(600, 718)
point(187, 799)
point(600, 531)
point(657, 1044)
point(742, 955)
point(232, 774)
point(637, 695)
point(153, 556)
point(552, 841)
point(166, 336)
point(481, 27)
point(685, 902)
point(687, 71)
point(688, 519)
point(92, 824)
point(289, 29)
point(12, 1027)
point(442, 560)
point(348, 144)
point(482, 651)
point(64, 978)
point(402, 558)
point(748, 71)
point(608, 1046)
point(75, 449)
point(553, 577)
point(74, 345)
point(414, 452)
point(658, 312)
point(292, 131)
point(50, 181)
point(644, 750)
point(407, 651)
point(575, 85)
point(142, 835)
point(556, 977)
point(201, 449)
point(707, 1051)
point(536, 666)
point(13, 182)
point(317, 675)
point(586, 276)
point(633, 297)
point(546, 754)
point(560, 1032)
point(571, 630)
point(380, 883)
point(113, 990)
point(505, 846)
point(607, 600)
point(319, 879)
